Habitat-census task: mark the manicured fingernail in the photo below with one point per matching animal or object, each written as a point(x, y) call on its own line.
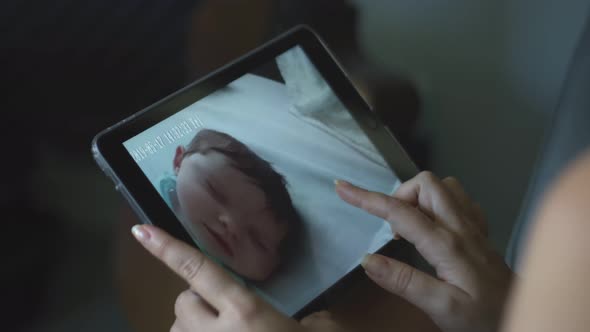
point(140, 233)
point(375, 266)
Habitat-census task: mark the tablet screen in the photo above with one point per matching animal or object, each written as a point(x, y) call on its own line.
point(249, 172)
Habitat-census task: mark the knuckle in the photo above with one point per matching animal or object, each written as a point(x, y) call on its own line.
point(450, 241)
point(393, 205)
point(163, 248)
point(245, 308)
point(447, 304)
point(402, 279)
point(373, 204)
point(191, 267)
point(451, 306)
point(427, 176)
point(179, 303)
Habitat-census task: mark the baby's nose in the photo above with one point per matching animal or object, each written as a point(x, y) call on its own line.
point(227, 223)
point(224, 219)
point(228, 227)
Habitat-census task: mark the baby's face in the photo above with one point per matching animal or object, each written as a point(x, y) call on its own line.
point(229, 214)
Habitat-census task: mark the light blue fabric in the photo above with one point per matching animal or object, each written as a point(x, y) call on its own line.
point(167, 190)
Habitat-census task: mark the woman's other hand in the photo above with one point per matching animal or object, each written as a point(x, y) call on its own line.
point(449, 230)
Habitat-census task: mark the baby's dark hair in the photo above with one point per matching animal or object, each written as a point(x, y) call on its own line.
point(250, 164)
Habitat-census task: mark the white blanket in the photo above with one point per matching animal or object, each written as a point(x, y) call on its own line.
point(311, 155)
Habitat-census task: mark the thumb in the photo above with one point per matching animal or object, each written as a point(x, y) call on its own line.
point(321, 322)
point(422, 290)
point(316, 317)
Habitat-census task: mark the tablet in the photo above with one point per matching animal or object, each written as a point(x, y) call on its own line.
point(241, 164)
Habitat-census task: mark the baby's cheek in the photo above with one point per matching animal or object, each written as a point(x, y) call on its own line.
point(194, 200)
point(265, 263)
point(184, 194)
point(281, 229)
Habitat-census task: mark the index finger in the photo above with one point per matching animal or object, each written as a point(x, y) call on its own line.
point(206, 278)
point(411, 223)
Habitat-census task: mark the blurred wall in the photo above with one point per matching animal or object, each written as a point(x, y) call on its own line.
point(489, 73)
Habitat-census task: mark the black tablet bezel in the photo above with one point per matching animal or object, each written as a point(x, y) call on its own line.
point(117, 162)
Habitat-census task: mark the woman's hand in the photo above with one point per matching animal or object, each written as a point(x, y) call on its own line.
point(215, 302)
point(449, 231)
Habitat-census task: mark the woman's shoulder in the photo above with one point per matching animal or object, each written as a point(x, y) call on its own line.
point(566, 208)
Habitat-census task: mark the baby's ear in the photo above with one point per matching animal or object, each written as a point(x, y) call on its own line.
point(178, 155)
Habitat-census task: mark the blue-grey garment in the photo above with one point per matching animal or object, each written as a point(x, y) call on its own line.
point(168, 190)
point(568, 136)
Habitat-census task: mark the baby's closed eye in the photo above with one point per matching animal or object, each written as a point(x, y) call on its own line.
point(216, 194)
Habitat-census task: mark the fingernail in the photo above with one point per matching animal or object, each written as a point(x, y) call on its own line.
point(375, 266)
point(339, 182)
point(140, 233)
point(343, 188)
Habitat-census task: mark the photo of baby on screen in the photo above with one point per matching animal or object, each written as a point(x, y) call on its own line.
point(233, 203)
point(249, 171)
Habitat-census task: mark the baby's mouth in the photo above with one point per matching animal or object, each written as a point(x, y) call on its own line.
point(220, 241)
